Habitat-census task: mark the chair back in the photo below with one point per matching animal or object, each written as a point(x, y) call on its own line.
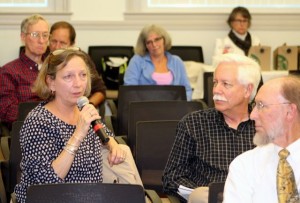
point(111, 75)
point(15, 156)
point(133, 93)
point(215, 194)
point(3, 197)
point(24, 108)
point(188, 53)
point(208, 78)
point(154, 140)
point(85, 192)
point(157, 110)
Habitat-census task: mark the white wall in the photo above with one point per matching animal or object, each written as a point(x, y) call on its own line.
point(98, 10)
point(107, 23)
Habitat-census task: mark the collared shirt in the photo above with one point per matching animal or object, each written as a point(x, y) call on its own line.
point(141, 68)
point(16, 79)
point(252, 175)
point(203, 149)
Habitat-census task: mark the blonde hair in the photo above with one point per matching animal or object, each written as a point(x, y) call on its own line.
point(52, 65)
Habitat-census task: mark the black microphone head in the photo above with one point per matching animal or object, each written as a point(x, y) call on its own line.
point(82, 101)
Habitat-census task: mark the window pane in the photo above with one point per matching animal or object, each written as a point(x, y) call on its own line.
point(23, 3)
point(223, 3)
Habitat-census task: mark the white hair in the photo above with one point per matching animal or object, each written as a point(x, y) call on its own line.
point(248, 69)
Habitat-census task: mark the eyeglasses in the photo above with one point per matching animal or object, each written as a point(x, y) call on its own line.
point(241, 21)
point(59, 51)
point(259, 105)
point(38, 35)
point(155, 40)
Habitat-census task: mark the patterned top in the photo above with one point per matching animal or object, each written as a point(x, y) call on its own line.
point(203, 149)
point(42, 139)
point(16, 79)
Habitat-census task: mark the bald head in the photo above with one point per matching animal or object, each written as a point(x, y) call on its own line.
point(287, 87)
point(276, 113)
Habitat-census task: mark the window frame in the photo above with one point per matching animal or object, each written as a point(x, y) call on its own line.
point(141, 6)
point(57, 10)
point(53, 6)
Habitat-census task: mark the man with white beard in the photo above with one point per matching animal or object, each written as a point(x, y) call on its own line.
point(208, 140)
point(253, 176)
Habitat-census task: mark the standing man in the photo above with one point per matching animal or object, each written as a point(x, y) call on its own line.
point(63, 35)
point(258, 175)
point(208, 140)
point(17, 76)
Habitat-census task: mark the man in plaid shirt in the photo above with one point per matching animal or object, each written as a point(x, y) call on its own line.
point(17, 76)
point(208, 140)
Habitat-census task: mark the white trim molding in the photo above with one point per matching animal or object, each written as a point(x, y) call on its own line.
point(215, 21)
point(13, 20)
point(194, 21)
point(180, 21)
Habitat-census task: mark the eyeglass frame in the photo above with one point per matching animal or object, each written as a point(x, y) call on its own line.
point(259, 105)
point(38, 35)
point(155, 40)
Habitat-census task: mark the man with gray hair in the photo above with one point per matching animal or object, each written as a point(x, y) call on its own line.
point(271, 171)
point(17, 76)
point(208, 140)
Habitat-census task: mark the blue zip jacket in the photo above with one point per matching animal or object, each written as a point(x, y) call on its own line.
point(140, 69)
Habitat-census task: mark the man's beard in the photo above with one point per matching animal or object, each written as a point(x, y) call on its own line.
point(260, 139)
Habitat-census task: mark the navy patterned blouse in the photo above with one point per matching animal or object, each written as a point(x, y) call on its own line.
point(42, 139)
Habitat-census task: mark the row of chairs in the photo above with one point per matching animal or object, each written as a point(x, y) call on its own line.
point(146, 118)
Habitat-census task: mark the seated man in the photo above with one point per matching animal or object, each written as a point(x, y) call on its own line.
point(208, 140)
point(268, 172)
point(17, 76)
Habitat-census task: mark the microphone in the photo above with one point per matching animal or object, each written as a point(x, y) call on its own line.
point(97, 124)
